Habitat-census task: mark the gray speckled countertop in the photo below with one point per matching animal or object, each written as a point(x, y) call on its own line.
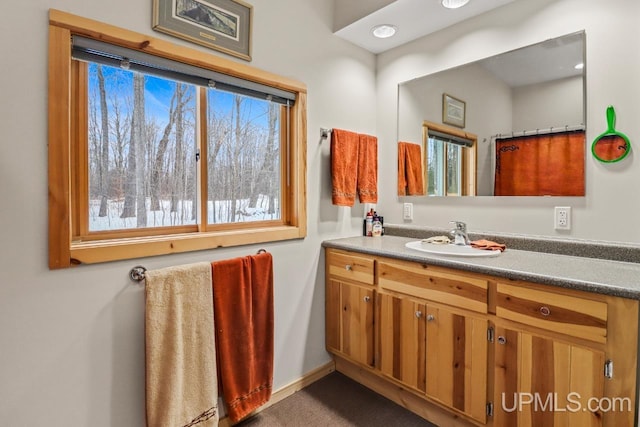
point(602, 276)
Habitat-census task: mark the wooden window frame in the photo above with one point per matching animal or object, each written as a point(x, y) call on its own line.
point(66, 123)
point(468, 185)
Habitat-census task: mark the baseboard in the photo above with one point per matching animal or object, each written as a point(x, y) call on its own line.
point(289, 389)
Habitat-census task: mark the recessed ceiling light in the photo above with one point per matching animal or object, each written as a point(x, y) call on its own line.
point(579, 66)
point(454, 4)
point(383, 31)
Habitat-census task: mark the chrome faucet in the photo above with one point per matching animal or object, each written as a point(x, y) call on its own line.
point(459, 233)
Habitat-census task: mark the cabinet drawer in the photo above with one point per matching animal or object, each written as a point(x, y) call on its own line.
point(571, 315)
point(434, 284)
point(348, 266)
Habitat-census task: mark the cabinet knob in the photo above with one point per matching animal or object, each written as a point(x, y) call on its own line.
point(430, 318)
point(418, 314)
point(502, 340)
point(348, 267)
point(545, 311)
point(367, 298)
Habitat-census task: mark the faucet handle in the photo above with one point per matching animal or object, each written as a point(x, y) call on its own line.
point(459, 225)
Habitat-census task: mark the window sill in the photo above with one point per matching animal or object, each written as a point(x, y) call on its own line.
point(114, 250)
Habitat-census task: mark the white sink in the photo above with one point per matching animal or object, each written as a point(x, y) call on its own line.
point(451, 250)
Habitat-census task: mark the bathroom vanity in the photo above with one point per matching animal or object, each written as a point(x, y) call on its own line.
point(522, 339)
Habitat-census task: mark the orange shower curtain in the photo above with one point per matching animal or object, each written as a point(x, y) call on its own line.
point(541, 165)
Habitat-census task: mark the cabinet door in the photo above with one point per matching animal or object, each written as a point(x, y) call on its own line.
point(349, 320)
point(333, 317)
point(402, 340)
point(456, 355)
point(545, 382)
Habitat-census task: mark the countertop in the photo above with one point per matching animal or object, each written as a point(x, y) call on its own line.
point(616, 278)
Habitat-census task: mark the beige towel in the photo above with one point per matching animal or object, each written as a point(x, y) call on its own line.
point(181, 378)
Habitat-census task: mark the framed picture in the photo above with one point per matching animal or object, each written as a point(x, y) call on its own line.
point(453, 111)
point(224, 25)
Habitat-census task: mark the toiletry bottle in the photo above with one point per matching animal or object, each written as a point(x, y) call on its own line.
point(376, 226)
point(369, 223)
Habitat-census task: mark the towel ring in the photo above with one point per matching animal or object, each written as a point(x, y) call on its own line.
point(262, 251)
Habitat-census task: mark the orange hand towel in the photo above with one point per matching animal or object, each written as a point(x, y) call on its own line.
point(243, 306)
point(368, 169)
point(410, 176)
point(489, 245)
point(344, 166)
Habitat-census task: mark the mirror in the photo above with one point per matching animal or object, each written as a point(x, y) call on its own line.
point(534, 90)
point(611, 146)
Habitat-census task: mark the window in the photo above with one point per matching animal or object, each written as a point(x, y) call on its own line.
point(450, 157)
point(161, 149)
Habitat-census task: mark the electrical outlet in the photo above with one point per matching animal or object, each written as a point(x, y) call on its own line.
point(562, 218)
point(407, 211)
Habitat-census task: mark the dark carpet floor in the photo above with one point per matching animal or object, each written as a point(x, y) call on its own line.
point(335, 401)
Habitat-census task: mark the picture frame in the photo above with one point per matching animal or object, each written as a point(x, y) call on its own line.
point(223, 25)
point(453, 111)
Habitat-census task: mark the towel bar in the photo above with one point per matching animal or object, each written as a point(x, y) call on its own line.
point(136, 274)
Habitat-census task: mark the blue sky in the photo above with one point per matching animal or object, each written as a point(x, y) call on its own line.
point(158, 93)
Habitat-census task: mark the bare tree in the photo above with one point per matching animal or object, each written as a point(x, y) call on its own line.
point(120, 128)
point(104, 155)
point(177, 185)
point(263, 180)
point(134, 202)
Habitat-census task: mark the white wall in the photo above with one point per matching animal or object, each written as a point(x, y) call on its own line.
point(71, 341)
point(610, 209)
point(557, 103)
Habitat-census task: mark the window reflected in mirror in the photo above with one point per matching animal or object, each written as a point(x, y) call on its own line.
point(450, 159)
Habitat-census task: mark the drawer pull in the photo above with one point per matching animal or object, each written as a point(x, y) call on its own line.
point(367, 298)
point(348, 267)
point(430, 318)
point(502, 340)
point(418, 314)
point(545, 311)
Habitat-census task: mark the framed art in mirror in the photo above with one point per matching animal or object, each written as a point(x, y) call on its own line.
point(223, 25)
point(453, 111)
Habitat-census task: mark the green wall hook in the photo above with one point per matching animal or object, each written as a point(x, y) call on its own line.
point(611, 146)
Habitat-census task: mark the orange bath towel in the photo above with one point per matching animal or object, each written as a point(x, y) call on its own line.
point(368, 169)
point(410, 176)
point(344, 166)
point(243, 306)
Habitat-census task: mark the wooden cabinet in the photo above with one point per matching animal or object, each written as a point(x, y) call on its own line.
point(350, 307)
point(555, 350)
point(435, 351)
point(542, 381)
point(467, 349)
point(457, 360)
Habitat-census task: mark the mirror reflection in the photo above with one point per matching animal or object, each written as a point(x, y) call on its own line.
point(526, 110)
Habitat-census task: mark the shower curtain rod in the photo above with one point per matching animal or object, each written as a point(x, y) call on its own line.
point(552, 129)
